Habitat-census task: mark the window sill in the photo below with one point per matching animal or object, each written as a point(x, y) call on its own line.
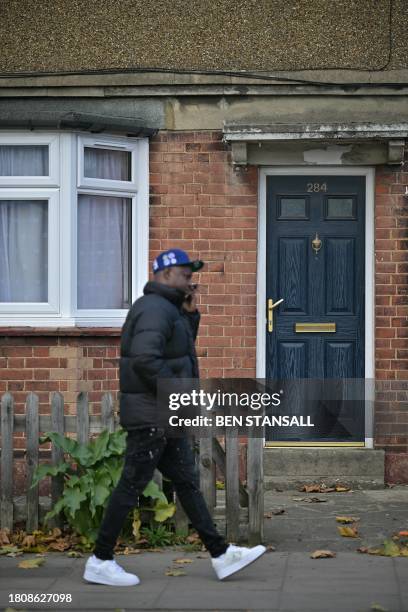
point(60, 331)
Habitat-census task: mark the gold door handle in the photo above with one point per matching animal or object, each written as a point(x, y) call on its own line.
point(271, 306)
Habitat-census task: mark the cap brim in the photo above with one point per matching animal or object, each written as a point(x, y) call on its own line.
point(195, 265)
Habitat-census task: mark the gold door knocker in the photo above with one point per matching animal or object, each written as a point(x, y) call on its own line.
point(316, 244)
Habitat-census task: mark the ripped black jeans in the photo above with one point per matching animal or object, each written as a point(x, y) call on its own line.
point(146, 450)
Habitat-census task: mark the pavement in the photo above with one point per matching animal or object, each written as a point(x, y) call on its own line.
point(285, 579)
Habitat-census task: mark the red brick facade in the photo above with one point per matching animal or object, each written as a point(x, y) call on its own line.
point(200, 203)
point(391, 322)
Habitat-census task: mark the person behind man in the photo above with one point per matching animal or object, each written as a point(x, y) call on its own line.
point(158, 341)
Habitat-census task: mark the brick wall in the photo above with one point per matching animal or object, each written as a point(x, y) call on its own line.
point(68, 364)
point(200, 203)
point(391, 310)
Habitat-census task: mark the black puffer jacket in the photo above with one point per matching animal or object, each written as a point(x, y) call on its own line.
point(157, 342)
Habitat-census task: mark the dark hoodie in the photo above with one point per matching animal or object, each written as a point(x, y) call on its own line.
point(157, 342)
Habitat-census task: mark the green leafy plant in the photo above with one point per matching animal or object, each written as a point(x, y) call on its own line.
point(157, 536)
point(91, 471)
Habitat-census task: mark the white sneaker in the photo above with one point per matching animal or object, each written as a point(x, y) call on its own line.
point(108, 572)
point(235, 558)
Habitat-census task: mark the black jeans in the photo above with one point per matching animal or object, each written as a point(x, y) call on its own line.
point(147, 449)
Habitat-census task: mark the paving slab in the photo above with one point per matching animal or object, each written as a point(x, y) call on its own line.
point(278, 581)
point(285, 580)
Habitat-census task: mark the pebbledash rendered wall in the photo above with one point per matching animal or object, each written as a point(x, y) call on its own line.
point(199, 202)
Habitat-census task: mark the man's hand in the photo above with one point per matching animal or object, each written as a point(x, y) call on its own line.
point(190, 305)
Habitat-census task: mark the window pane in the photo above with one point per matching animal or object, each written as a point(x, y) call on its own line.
point(340, 208)
point(293, 208)
point(23, 251)
point(23, 160)
point(104, 247)
point(107, 164)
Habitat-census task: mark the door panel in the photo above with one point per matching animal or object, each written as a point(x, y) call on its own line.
point(340, 275)
point(340, 360)
point(293, 274)
point(315, 262)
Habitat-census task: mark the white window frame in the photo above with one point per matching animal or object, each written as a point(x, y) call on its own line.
point(52, 197)
point(30, 139)
point(62, 311)
point(90, 314)
point(114, 144)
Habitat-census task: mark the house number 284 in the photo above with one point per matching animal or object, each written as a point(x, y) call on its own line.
point(316, 187)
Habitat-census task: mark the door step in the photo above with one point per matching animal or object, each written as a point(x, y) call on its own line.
point(288, 468)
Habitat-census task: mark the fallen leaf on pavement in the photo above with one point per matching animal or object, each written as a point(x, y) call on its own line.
point(59, 545)
point(322, 554)
point(389, 549)
point(317, 488)
point(131, 551)
point(278, 511)
point(322, 488)
point(194, 537)
point(270, 548)
point(346, 519)
point(313, 488)
point(310, 500)
point(369, 551)
point(348, 532)
point(4, 536)
point(268, 515)
point(174, 572)
point(201, 556)
point(182, 561)
point(377, 608)
point(29, 541)
point(6, 550)
point(74, 554)
point(32, 563)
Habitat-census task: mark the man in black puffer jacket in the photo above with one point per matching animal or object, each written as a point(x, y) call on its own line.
point(158, 342)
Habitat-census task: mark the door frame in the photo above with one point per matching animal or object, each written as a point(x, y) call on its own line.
point(369, 344)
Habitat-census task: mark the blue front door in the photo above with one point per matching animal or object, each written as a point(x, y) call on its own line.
point(315, 264)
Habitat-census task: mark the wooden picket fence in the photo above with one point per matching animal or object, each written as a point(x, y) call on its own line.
point(243, 504)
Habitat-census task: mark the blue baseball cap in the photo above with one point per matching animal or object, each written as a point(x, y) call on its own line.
point(175, 257)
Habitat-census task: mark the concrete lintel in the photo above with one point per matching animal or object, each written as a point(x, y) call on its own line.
point(201, 90)
point(392, 135)
point(330, 131)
